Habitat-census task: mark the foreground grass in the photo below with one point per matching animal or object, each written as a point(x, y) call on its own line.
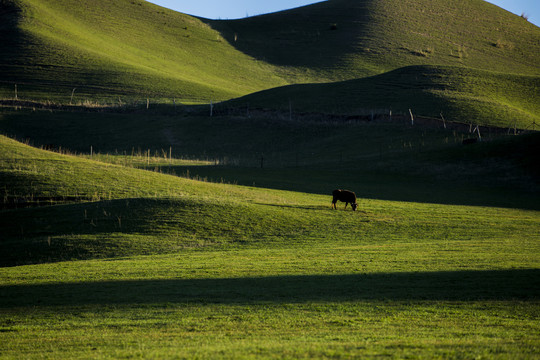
point(315, 301)
point(164, 267)
point(396, 279)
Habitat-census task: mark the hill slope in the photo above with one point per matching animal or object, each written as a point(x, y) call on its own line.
point(344, 39)
point(460, 94)
point(122, 47)
point(117, 211)
point(106, 49)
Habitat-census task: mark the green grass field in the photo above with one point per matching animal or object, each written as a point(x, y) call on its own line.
point(165, 182)
point(125, 262)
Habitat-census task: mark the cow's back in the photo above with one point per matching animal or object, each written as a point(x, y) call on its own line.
point(344, 195)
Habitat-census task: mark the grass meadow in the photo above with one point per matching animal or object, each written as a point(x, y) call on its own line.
point(165, 182)
point(204, 258)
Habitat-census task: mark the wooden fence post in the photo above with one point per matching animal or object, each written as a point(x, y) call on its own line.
point(443, 120)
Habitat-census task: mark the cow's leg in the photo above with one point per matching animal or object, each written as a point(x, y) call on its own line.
point(334, 202)
point(346, 204)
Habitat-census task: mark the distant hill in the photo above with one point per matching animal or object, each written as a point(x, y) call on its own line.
point(107, 49)
point(129, 49)
point(458, 94)
point(345, 39)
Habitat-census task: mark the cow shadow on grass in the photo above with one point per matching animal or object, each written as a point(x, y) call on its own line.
point(496, 285)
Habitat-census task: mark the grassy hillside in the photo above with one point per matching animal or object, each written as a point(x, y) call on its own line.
point(460, 94)
point(125, 50)
point(91, 209)
point(130, 212)
point(116, 210)
point(120, 48)
point(381, 159)
point(344, 39)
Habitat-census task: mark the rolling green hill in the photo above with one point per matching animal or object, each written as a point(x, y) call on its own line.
point(120, 211)
point(119, 48)
point(461, 94)
point(70, 207)
point(130, 49)
point(344, 39)
point(137, 262)
point(121, 252)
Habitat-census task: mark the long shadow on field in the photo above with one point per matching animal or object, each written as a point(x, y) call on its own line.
point(452, 286)
point(57, 233)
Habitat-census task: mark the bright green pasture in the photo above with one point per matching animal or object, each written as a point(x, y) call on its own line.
point(396, 279)
point(166, 267)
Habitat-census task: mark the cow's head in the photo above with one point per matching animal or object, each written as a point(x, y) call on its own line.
point(354, 206)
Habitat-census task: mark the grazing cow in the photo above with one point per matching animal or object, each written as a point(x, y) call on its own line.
point(345, 196)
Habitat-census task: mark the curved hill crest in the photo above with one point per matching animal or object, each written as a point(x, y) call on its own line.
point(131, 49)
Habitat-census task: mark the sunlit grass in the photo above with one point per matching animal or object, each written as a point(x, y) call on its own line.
point(111, 247)
point(159, 266)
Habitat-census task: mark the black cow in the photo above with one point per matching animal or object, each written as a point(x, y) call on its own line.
point(345, 196)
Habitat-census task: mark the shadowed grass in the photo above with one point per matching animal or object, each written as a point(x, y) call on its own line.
point(522, 285)
point(377, 159)
point(462, 95)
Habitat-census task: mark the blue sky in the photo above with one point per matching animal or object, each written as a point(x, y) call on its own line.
point(234, 9)
point(230, 9)
point(530, 7)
